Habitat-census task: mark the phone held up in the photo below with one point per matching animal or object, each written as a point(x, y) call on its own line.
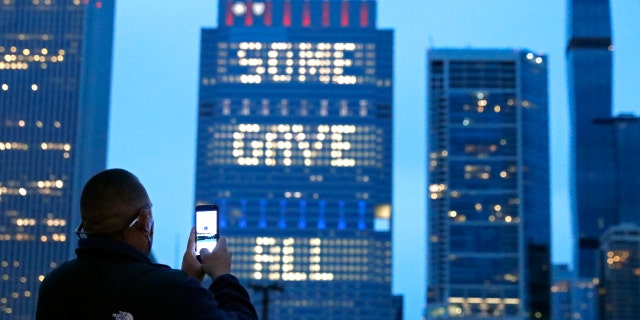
point(207, 229)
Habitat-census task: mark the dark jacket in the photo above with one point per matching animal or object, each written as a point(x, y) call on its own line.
point(113, 280)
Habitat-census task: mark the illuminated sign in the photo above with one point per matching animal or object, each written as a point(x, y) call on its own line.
point(343, 63)
point(275, 260)
point(297, 144)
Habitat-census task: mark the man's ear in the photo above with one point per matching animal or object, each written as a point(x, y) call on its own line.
point(146, 221)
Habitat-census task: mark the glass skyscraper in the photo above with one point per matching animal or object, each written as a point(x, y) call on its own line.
point(488, 185)
point(55, 70)
point(620, 269)
point(571, 297)
point(295, 145)
point(621, 136)
point(561, 290)
point(619, 256)
point(589, 67)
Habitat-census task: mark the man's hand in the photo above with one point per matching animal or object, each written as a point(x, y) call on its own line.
point(190, 263)
point(218, 261)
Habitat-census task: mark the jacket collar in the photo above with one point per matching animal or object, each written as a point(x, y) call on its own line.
point(111, 247)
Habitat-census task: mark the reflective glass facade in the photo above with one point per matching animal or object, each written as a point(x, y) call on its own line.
point(620, 270)
point(625, 144)
point(563, 280)
point(589, 67)
point(54, 99)
point(488, 185)
point(295, 145)
point(572, 297)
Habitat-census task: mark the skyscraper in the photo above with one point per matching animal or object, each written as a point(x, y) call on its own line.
point(561, 290)
point(573, 298)
point(619, 255)
point(620, 269)
point(55, 70)
point(488, 185)
point(589, 67)
point(295, 145)
point(621, 137)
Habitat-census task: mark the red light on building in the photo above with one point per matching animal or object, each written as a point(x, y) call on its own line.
point(268, 13)
point(99, 4)
point(364, 14)
point(229, 13)
point(286, 18)
point(344, 14)
point(248, 16)
point(306, 14)
point(326, 13)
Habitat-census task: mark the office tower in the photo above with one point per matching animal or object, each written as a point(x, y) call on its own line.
point(584, 298)
point(571, 297)
point(620, 269)
point(488, 185)
point(55, 69)
point(589, 67)
point(621, 136)
point(619, 246)
point(398, 307)
point(295, 145)
point(562, 282)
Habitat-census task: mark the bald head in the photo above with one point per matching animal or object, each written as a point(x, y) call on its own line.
point(110, 200)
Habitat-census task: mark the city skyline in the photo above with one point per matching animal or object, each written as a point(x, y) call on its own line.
point(155, 88)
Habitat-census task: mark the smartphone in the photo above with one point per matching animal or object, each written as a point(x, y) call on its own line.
point(207, 230)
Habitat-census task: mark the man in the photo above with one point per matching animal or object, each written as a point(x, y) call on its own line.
point(113, 277)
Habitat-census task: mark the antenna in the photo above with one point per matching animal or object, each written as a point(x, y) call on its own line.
point(265, 288)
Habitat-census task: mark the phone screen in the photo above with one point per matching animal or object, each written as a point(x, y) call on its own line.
point(206, 227)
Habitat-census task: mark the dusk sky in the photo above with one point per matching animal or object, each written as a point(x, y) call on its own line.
point(155, 88)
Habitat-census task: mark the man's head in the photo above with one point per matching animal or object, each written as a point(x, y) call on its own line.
point(114, 204)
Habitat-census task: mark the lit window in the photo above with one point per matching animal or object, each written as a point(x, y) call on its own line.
point(239, 9)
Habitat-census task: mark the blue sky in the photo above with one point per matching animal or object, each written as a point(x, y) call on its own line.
point(154, 101)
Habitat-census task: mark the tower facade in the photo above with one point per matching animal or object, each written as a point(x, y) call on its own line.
point(488, 185)
point(620, 265)
point(295, 145)
point(561, 290)
point(589, 67)
point(55, 72)
point(622, 134)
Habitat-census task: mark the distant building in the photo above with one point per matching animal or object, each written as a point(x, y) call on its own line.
point(620, 273)
point(55, 73)
point(398, 307)
point(589, 67)
point(584, 298)
point(562, 283)
point(488, 185)
point(572, 298)
point(621, 138)
point(295, 145)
